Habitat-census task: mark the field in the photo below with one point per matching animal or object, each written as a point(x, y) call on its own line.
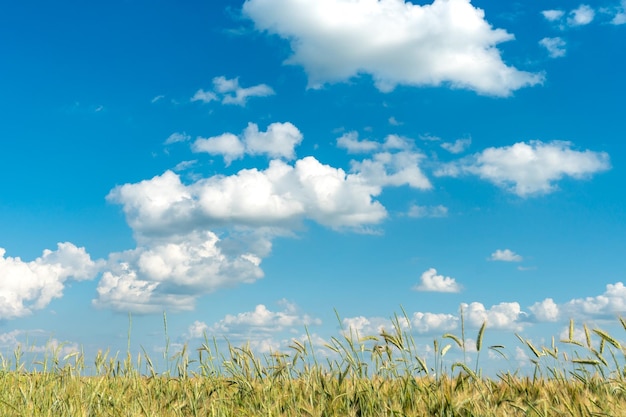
point(376, 375)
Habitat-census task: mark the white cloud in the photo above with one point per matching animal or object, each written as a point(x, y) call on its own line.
point(555, 46)
point(428, 211)
point(278, 141)
point(607, 305)
point(446, 42)
point(204, 96)
point(583, 15)
point(197, 330)
point(553, 15)
point(433, 322)
point(620, 15)
point(458, 146)
point(278, 196)
point(505, 255)
point(176, 137)
point(350, 141)
point(184, 165)
point(263, 320)
point(394, 122)
point(395, 169)
point(422, 323)
point(430, 281)
point(231, 92)
point(501, 316)
point(172, 272)
point(227, 145)
point(28, 286)
point(546, 310)
point(157, 98)
point(529, 168)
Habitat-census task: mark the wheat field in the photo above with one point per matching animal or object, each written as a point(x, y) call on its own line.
point(371, 375)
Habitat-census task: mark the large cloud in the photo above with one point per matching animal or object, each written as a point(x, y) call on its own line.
point(396, 42)
point(529, 168)
point(277, 196)
point(28, 286)
point(173, 272)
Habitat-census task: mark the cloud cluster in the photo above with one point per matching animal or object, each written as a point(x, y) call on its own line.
point(430, 281)
point(29, 286)
point(422, 323)
point(396, 42)
point(261, 327)
point(230, 92)
point(607, 305)
point(278, 141)
point(528, 169)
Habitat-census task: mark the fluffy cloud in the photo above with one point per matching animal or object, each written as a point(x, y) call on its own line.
point(529, 168)
point(278, 196)
point(505, 255)
point(428, 211)
point(433, 322)
point(231, 92)
point(227, 145)
point(553, 15)
point(501, 316)
point(395, 169)
point(422, 323)
point(260, 328)
point(396, 42)
point(546, 310)
point(263, 320)
point(555, 46)
point(278, 141)
point(430, 281)
point(583, 15)
point(350, 141)
point(173, 272)
point(607, 305)
point(28, 286)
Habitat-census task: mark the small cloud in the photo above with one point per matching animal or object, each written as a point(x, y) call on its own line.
point(351, 143)
point(204, 96)
point(428, 211)
point(394, 122)
point(98, 109)
point(505, 255)
point(177, 137)
point(583, 15)
point(182, 166)
point(555, 46)
point(458, 146)
point(157, 98)
point(430, 281)
point(553, 15)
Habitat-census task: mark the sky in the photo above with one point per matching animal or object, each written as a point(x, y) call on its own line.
point(257, 169)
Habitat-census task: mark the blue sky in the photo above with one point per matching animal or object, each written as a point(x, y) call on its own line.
point(249, 167)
